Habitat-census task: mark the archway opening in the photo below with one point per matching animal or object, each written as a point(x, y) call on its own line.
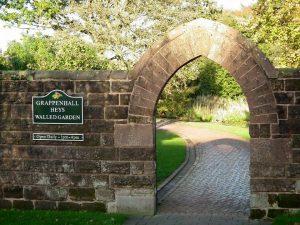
point(205, 106)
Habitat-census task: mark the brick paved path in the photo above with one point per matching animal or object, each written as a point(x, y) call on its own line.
point(213, 188)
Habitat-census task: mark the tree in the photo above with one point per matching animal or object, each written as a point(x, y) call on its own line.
point(60, 52)
point(120, 29)
point(275, 28)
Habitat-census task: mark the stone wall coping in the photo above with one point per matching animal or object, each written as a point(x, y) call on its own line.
point(64, 75)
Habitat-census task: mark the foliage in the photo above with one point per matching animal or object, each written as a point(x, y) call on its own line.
point(218, 109)
point(275, 28)
point(287, 218)
point(2, 63)
point(170, 154)
point(38, 217)
point(200, 77)
point(60, 52)
point(120, 30)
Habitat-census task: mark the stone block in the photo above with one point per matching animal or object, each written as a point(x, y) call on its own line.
point(296, 141)
point(92, 86)
point(293, 170)
point(272, 185)
point(102, 126)
point(292, 84)
point(22, 204)
point(131, 202)
point(289, 200)
point(296, 156)
point(265, 170)
point(291, 126)
point(257, 213)
point(11, 164)
point(5, 111)
point(124, 99)
point(272, 213)
point(259, 200)
point(13, 192)
point(294, 112)
point(297, 98)
point(284, 97)
point(69, 206)
point(5, 204)
point(102, 99)
point(139, 110)
point(121, 86)
point(94, 206)
point(82, 194)
point(45, 205)
point(116, 112)
point(66, 86)
point(277, 84)
point(134, 135)
point(140, 119)
point(137, 168)
point(35, 86)
point(14, 86)
point(118, 74)
point(21, 111)
point(105, 154)
point(139, 91)
point(275, 151)
point(107, 139)
point(254, 130)
point(115, 167)
point(123, 181)
point(136, 154)
point(34, 193)
point(264, 131)
point(282, 111)
point(93, 112)
point(264, 118)
point(88, 166)
point(104, 194)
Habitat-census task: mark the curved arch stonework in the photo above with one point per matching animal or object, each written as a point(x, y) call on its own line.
point(220, 43)
point(270, 140)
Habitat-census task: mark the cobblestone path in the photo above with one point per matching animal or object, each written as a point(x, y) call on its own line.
point(218, 181)
point(213, 189)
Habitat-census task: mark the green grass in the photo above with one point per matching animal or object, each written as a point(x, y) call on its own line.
point(170, 154)
point(287, 219)
point(39, 217)
point(242, 132)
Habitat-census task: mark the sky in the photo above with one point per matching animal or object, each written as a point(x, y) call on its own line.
point(9, 34)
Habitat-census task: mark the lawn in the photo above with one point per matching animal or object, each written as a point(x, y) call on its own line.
point(242, 132)
point(287, 219)
point(170, 154)
point(38, 217)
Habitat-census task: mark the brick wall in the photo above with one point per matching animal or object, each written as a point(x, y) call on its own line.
point(68, 175)
point(113, 169)
point(275, 151)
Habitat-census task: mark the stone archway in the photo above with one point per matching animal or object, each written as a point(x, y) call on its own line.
point(250, 68)
point(220, 43)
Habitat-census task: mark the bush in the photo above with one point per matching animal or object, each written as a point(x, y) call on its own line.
point(61, 52)
point(218, 109)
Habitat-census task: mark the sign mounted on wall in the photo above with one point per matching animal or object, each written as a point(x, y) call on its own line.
point(57, 137)
point(57, 108)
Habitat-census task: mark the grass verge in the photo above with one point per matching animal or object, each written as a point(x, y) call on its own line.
point(242, 132)
point(41, 217)
point(287, 219)
point(170, 154)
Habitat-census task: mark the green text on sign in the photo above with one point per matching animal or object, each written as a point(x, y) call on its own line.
point(57, 108)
